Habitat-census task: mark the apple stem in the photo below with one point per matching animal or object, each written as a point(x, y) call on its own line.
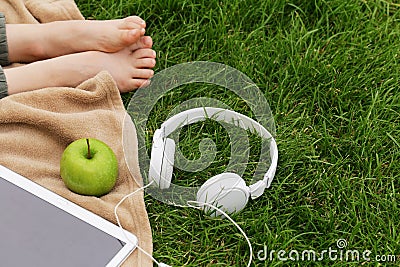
point(89, 155)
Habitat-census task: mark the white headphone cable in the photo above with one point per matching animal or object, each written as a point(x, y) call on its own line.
point(230, 219)
point(159, 264)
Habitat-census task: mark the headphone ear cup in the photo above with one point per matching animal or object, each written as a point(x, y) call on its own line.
point(226, 191)
point(167, 167)
point(157, 150)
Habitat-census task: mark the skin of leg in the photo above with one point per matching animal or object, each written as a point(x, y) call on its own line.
point(130, 70)
point(31, 42)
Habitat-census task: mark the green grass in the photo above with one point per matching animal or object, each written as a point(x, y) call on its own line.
point(329, 70)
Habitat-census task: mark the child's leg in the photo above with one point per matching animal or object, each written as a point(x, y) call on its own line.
point(32, 42)
point(130, 69)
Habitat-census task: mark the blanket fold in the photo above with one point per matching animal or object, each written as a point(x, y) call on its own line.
point(39, 11)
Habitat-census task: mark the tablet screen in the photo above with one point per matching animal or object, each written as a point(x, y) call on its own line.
point(33, 232)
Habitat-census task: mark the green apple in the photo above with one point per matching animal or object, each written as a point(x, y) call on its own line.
point(89, 167)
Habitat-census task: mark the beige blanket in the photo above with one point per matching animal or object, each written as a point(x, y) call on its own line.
point(39, 11)
point(35, 128)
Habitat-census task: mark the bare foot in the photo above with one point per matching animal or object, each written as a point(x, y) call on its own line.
point(106, 36)
point(130, 68)
point(32, 42)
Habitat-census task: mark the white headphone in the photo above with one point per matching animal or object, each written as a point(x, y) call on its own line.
point(226, 190)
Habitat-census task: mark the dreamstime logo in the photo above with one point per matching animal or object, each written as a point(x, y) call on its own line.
point(341, 243)
point(208, 73)
point(340, 252)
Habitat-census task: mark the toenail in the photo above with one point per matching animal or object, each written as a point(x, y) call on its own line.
point(147, 41)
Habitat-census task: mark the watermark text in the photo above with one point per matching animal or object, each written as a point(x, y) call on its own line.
point(340, 252)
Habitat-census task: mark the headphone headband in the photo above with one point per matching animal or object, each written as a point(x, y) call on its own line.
point(218, 114)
